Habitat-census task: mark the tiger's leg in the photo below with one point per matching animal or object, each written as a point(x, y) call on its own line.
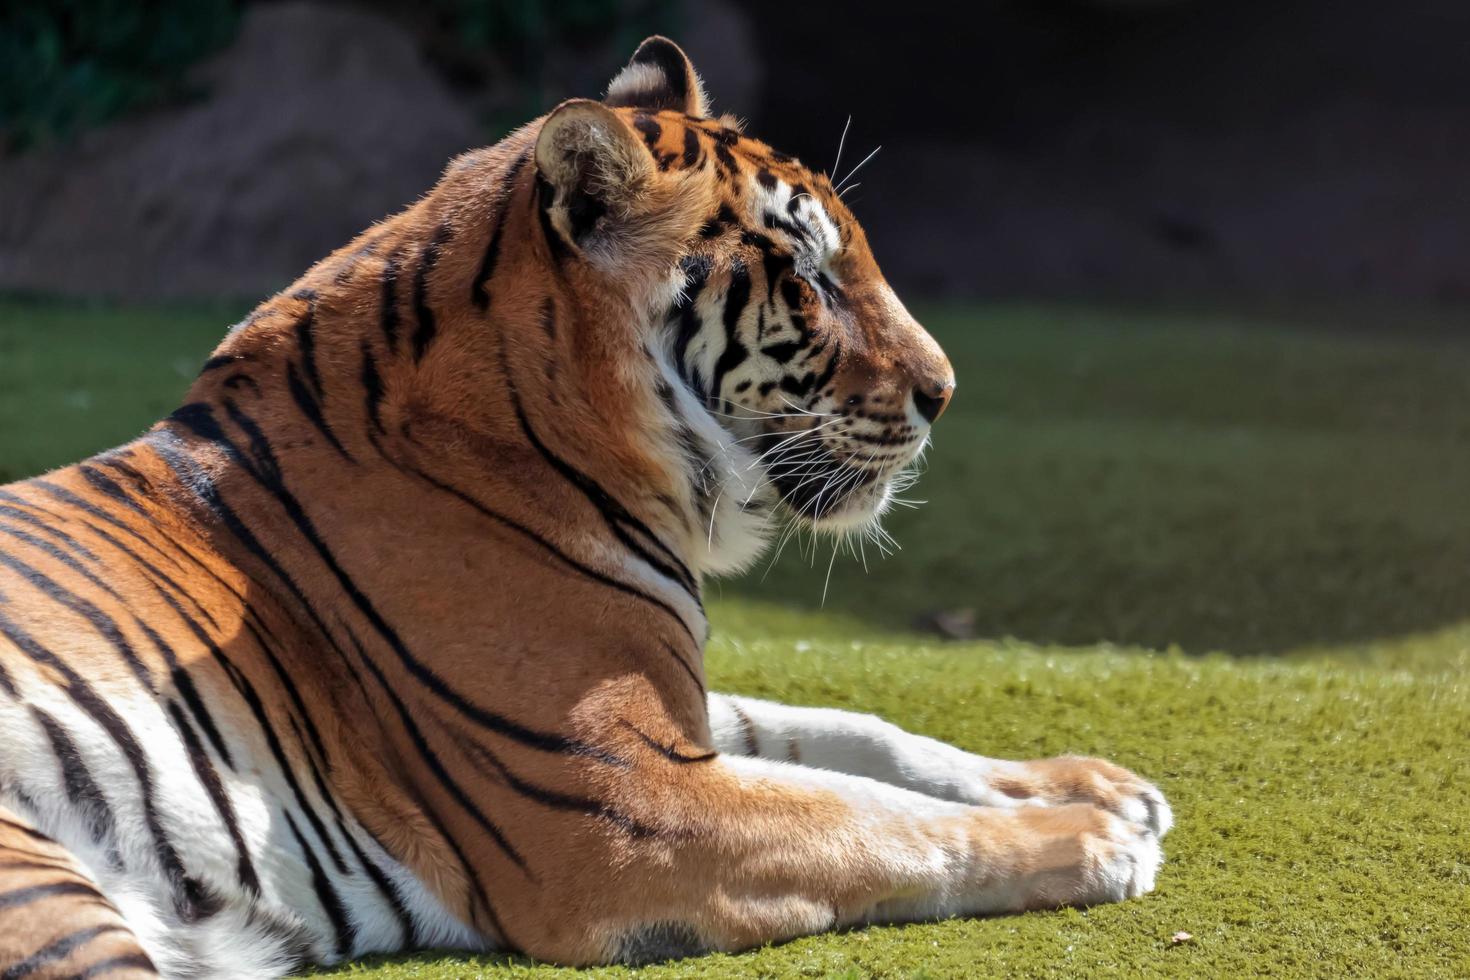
point(713, 852)
point(54, 922)
point(865, 745)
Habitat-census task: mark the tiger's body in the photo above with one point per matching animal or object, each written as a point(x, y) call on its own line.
point(391, 636)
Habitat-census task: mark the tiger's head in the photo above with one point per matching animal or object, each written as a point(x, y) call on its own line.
point(798, 380)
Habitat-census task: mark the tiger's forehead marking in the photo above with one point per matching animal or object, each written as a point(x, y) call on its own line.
point(745, 168)
point(793, 213)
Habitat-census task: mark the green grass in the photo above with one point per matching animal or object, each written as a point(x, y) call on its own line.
point(1284, 513)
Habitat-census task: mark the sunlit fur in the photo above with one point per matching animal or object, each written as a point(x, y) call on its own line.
point(391, 636)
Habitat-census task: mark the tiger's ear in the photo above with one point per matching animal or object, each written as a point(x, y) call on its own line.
point(660, 76)
point(594, 170)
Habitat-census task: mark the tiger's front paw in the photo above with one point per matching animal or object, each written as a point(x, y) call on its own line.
point(1079, 779)
point(1079, 854)
point(1124, 858)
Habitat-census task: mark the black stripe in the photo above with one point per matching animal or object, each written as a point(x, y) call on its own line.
point(693, 676)
point(104, 624)
point(667, 751)
point(127, 961)
point(820, 381)
point(322, 791)
point(793, 203)
point(428, 756)
point(31, 520)
point(313, 410)
point(408, 927)
point(57, 949)
point(191, 899)
point(19, 897)
point(108, 487)
point(239, 380)
point(424, 334)
point(348, 265)
point(427, 753)
point(726, 159)
point(82, 790)
point(489, 765)
point(697, 457)
point(614, 514)
point(209, 779)
point(737, 297)
point(747, 729)
point(783, 352)
point(47, 864)
point(7, 684)
point(479, 294)
point(30, 832)
point(331, 902)
point(775, 222)
point(390, 300)
point(831, 292)
point(142, 562)
point(183, 681)
point(220, 361)
point(561, 556)
point(313, 734)
point(372, 387)
point(306, 340)
point(774, 262)
point(310, 400)
point(696, 276)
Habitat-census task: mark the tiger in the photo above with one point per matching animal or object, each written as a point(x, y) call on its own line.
point(391, 636)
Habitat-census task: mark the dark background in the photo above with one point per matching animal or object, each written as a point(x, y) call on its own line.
point(1244, 152)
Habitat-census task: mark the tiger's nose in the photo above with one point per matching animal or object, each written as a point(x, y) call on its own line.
point(932, 399)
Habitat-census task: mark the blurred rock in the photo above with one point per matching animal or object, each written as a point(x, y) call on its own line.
point(319, 120)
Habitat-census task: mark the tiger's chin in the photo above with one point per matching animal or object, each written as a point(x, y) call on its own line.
point(855, 510)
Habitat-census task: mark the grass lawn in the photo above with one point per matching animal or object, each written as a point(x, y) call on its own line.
point(1232, 555)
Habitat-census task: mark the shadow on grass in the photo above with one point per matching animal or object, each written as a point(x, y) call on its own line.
point(457, 963)
point(440, 961)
